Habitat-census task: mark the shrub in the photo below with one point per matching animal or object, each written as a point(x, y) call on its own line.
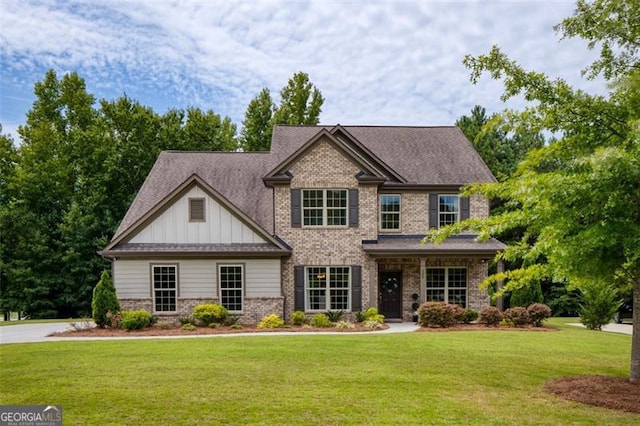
point(334, 316)
point(538, 312)
point(187, 320)
point(104, 300)
point(231, 320)
point(114, 320)
point(271, 321)
point(135, 320)
point(372, 324)
point(208, 313)
point(458, 313)
point(470, 316)
point(599, 306)
point(298, 318)
point(360, 316)
point(490, 316)
point(436, 314)
point(320, 320)
point(188, 327)
point(236, 327)
point(344, 325)
point(527, 295)
point(372, 314)
point(517, 316)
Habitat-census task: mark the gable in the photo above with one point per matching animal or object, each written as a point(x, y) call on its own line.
point(368, 166)
point(173, 225)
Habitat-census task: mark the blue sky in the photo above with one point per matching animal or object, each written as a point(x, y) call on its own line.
point(375, 62)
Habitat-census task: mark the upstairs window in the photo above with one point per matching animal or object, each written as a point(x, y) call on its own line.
point(448, 209)
point(324, 207)
point(196, 209)
point(390, 212)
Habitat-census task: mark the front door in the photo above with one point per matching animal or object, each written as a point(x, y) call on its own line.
point(391, 294)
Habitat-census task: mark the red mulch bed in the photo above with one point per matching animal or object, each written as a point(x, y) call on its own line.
point(617, 393)
point(177, 331)
point(482, 327)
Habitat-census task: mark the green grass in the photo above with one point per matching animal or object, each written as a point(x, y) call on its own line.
point(474, 377)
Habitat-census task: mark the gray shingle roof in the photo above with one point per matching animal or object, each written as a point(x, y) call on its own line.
point(422, 155)
point(219, 250)
point(464, 244)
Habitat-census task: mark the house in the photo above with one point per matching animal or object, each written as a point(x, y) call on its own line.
point(330, 219)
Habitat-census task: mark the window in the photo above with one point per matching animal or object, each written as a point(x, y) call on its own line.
point(324, 207)
point(327, 288)
point(196, 209)
point(447, 285)
point(165, 287)
point(231, 282)
point(390, 212)
point(448, 209)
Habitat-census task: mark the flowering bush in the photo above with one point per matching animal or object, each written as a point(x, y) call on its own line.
point(490, 316)
point(517, 316)
point(538, 312)
point(438, 314)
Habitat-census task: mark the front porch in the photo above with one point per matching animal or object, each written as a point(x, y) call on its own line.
point(405, 273)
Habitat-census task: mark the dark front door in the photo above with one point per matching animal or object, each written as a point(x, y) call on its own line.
point(391, 294)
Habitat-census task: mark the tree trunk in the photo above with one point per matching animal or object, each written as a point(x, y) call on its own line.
point(635, 340)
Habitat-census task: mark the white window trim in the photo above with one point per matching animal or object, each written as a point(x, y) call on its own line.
point(446, 282)
point(324, 208)
point(244, 284)
point(381, 213)
point(327, 288)
point(175, 266)
point(440, 213)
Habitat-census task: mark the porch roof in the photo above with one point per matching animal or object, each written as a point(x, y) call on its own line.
point(195, 250)
point(410, 245)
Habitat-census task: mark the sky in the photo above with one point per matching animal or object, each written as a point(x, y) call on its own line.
point(375, 62)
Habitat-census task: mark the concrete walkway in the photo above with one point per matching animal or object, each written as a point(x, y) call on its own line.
point(613, 327)
point(28, 333)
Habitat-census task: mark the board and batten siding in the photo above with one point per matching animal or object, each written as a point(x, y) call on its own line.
point(197, 278)
point(220, 225)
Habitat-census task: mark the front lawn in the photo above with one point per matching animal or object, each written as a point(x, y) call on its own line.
point(462, 377)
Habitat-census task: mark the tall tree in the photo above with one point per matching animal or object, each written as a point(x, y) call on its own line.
point(257, 126)
point(300, 103)
point(500, 151)
point(578, 199)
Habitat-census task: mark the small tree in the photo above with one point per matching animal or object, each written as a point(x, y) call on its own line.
point(600, 303)
point(527, 295)
point(104, 300)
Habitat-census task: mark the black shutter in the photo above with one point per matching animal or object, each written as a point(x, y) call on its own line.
point(433, 210)
point(296, 208)
point(356, 288)
point(354, 207)
point(464, 208)
point(298, 284)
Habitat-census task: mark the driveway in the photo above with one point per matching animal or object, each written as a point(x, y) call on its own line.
point(25, 333)
point(613, 327)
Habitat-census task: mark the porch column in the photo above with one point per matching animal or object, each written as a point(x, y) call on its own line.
point(500, 300)
point(423, 279)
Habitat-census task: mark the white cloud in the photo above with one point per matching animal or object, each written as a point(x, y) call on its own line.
point(375, 63)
